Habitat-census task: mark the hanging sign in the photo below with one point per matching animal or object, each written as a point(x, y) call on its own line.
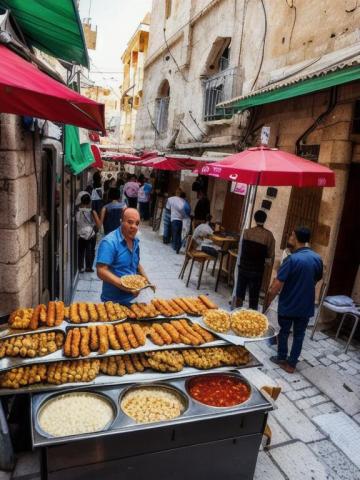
point(265, 135)
point(238, 188)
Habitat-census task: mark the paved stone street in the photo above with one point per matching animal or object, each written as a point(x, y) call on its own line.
point(316, 426)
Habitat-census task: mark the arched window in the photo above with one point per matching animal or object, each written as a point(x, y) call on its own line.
point(162, 107)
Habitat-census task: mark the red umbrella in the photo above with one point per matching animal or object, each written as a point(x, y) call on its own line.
point(25, 90)
point(120, 157)
point(270, 166)
point(172, 164)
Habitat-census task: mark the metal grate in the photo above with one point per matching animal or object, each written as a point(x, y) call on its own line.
point(218, 88)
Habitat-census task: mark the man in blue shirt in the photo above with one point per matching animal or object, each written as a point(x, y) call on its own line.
point(118, 255)
point(296, 280)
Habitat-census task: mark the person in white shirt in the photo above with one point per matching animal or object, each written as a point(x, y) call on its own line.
point(131, 190)
point(176, 205)
point(201, 236)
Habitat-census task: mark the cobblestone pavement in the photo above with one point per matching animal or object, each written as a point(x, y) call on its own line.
point(316, 426)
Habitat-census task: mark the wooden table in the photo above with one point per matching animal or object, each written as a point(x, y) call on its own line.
point(225, 242)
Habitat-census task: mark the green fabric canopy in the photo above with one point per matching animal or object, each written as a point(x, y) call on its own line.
point(52, 26)
point(301, 88)
point(77, 156)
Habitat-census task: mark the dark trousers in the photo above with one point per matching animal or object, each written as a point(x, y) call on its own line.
point(176, 229)
point(299, 325)
point(251, 280)
point(86, 250)
point(132, 202)
point(144, 209)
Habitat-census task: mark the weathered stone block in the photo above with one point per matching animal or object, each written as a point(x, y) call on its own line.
point(12, 134)
point(18, 199)
point(337, 131)
point(10, 301)
point(15, 164)
point(335, 151)
point(16, 243)
point(14, 276)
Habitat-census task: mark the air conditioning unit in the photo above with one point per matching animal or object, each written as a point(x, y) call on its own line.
point(9, 30)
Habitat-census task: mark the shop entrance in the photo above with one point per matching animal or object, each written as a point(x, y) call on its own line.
point(347, 252)
point(233, 209)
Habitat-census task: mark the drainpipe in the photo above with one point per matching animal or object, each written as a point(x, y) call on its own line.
point(332, 102)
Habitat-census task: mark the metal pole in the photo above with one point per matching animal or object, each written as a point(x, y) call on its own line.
point(7, 461)
point(246, 222)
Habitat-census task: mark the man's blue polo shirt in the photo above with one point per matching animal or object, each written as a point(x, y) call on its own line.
point(300, 272)
point(114, 252)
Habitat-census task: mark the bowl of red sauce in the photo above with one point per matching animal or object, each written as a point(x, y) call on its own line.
point(219, 390)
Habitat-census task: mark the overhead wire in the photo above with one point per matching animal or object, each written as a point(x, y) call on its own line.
point(263, 46)
point(172, 56)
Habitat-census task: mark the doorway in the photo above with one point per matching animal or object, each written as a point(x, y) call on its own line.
point(233, 209)
point(347, 252)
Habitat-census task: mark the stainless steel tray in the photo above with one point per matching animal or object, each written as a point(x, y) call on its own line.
point(139, 377)
point(124, 424)
point(14, 362)
point(236, 339)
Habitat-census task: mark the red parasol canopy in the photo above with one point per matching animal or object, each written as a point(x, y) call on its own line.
point(172, 164)
point(120, 157)
point(25, 90)
point(270, 166)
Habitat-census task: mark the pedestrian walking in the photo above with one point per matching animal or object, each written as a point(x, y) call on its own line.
point(167, 225)
point(257, 249)
point(97, 193)
point(144, 195)
point(176, 204)
point(295, 282)
point(202, 208)
point(118, 255)
point(131, 190)
point(87, 223)
point(111, 213)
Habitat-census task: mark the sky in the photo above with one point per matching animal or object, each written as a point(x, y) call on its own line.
point(116, 22)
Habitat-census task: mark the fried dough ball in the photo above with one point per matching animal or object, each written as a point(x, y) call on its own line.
point(20, 319)
point(217, 320)
point(31, 345)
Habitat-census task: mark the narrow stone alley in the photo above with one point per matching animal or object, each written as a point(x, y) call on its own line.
point(315, 426)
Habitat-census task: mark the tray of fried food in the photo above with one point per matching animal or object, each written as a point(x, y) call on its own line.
point(87, 312)
point(31, 345)
point(134, 282)
point(50, 315)
point(213, 357)
point(80, 342)
point(218, 320)
point(179, 331)
point(194, 305)
point(249, 323)
point(124, 364)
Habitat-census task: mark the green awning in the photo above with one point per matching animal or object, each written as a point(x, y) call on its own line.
point(52, 26)
point(77, 156)
point(294, 90)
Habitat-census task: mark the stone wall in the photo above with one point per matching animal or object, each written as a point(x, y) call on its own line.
point(19, 268)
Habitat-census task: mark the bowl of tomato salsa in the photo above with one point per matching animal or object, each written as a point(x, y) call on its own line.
point(219, 390)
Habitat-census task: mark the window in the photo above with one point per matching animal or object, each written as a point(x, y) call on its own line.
point(162, 107)
point(167, 9)
point(219, 83)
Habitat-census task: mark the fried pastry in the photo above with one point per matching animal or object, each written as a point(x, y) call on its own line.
point(85, 342)
point(74, 313)
point(68, 343)
point(139, 334)
point(94, 338)
point(83, 313)
point(103, 339)
point(21, 318)
point(75, 343)
point(249, 323)
point(122, 337)
point(103, 317)
point(163, 333)
point(34, 322)
point(51, 313)
point(207, 302)
point(59, 313)
point(133, 282)
point(156, 338)
point(130, 335)
point(171, 330)
point(93, 314)
point(113, 341)
point(119, 311)
point(43, 314)
point(111, 313)
point(218, 320)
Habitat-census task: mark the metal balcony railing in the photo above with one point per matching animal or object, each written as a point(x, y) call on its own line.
point(218, 88)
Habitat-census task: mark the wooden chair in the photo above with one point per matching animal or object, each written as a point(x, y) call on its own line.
point(273, 393)
point(193, 255)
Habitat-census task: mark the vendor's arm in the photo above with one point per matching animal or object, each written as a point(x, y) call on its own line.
point(278, 282)
point(96, 218)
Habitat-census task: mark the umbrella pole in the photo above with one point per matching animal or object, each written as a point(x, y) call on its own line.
point(246, 222)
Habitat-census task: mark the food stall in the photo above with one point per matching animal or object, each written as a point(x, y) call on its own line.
point(155, 389)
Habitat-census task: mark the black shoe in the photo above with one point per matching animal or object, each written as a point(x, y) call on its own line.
point(90, 270)
point(276, 360)
point(81, 270)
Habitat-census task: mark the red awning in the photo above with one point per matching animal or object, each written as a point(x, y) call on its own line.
point(270, 166)
point(172, 163)
point(25, 90)
point(97, 155)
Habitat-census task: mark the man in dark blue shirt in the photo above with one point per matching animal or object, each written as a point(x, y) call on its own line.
point(296, 280)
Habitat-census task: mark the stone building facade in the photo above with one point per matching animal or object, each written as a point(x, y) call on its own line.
point(202, 53)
